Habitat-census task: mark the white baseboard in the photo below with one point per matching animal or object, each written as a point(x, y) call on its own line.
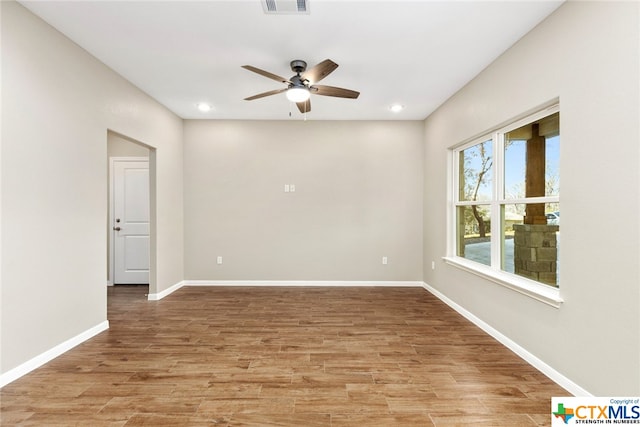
point(51, 354)
point(172, 289)
point(528, 357)
point(302, 283)
point(166, 292)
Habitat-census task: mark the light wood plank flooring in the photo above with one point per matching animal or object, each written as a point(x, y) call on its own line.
point(234, 356)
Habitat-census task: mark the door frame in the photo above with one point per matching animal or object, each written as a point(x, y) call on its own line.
point(111, 215)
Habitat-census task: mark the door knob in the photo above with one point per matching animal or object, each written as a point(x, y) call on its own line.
point(116, 228)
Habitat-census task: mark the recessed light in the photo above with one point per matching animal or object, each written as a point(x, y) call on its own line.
point(204, 107)
point(396, 108)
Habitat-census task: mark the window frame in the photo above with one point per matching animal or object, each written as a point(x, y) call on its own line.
point(494, 272)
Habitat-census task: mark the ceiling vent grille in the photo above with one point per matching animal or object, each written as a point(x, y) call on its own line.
point(285, 7)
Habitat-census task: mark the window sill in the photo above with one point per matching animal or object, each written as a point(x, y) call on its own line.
point(530, 288)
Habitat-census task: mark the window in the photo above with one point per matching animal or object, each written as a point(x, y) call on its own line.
point(506, 202)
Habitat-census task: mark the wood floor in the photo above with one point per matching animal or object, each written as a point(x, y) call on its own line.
point(283, 357)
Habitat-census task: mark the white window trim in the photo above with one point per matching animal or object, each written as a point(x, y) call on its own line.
point(543, 293)
point(538, 291)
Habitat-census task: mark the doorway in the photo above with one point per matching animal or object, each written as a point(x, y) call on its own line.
point(129, 226)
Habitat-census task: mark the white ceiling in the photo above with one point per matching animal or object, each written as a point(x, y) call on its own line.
point(416, 53)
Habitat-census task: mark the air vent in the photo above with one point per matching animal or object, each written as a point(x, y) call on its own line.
point(285, 7)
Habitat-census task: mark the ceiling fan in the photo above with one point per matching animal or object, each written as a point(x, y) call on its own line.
point(303, 84)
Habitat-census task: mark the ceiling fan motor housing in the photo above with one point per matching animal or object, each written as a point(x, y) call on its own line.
point(298, 66)
point(296, 81)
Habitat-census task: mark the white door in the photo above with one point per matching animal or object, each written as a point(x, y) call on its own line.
point(130, 222)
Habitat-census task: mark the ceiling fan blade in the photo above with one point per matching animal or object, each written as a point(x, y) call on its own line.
point(320, 71)
point(263, 94)
point(334, 91)
point(266, 74)
point(304, 106)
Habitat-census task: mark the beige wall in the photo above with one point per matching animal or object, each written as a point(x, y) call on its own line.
point(54, 179)
point(358, 198)
point(119, 146)
point(587, 54)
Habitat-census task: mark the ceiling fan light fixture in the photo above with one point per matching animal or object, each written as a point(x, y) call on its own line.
point(298, 94)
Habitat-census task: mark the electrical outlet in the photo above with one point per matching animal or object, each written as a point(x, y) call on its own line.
point(292, 188)
point(433, 265)
point(385, 260)
point(219, 260)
